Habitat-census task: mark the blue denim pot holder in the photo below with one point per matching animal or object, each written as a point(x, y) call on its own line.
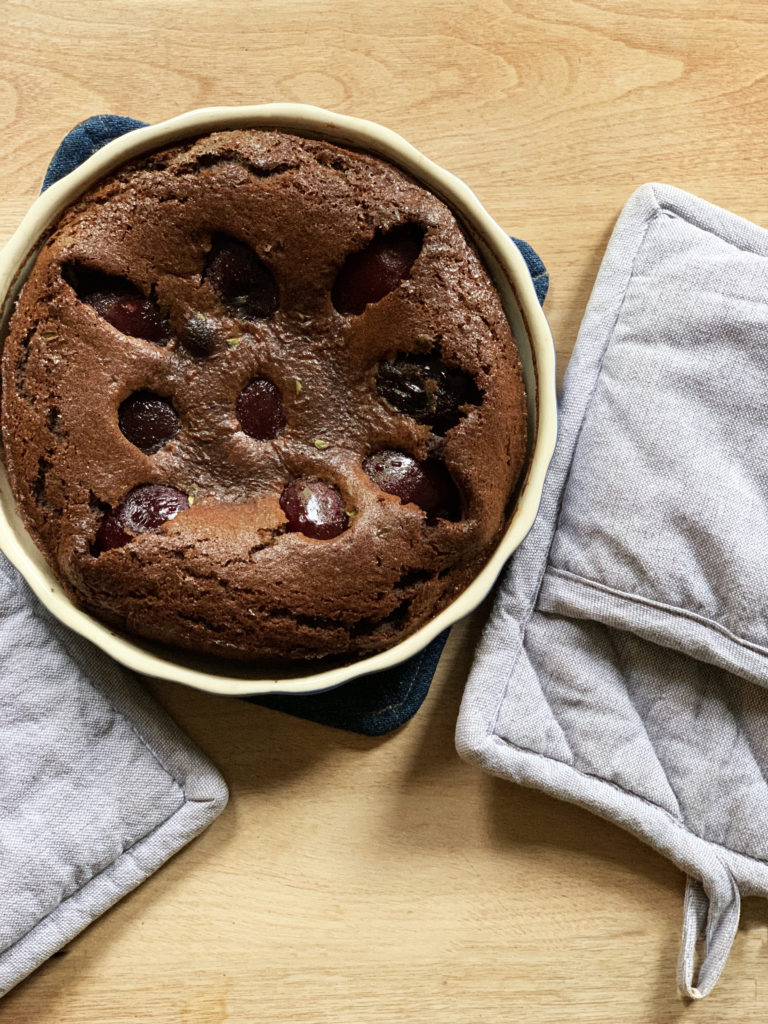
point(382, 701)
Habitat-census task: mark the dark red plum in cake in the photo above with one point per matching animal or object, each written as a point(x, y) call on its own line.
point(121, 304)
point(424, 388)
point(426, 484)
point(244, 284)
point(314, 508)
point(142, 510)
point(259, 408)
point(148, 421)
point(367, 276)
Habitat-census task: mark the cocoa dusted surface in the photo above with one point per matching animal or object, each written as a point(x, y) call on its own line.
point(226, 576)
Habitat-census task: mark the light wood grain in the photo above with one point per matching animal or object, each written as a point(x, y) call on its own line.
point(351, 880)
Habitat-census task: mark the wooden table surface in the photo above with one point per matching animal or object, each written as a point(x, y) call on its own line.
point(353, 880)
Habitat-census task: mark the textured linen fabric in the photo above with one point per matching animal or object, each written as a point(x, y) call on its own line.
point(97, 786)
point(383, 701)
point(624, 662)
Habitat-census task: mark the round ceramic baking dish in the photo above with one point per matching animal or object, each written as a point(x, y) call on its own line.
point(529, 327)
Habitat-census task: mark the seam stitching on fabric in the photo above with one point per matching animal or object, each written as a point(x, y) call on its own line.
point(54, 633)
point(53, 630)
point(128, 850)
point(545, 561)
point(556, 720)
point(679, 215)
point(674, 610)
point(620, 661)
point(585, 775)
point(633, 796)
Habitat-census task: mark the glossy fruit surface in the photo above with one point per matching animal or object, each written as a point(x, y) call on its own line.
point(424, 388)
point(147, 421)
point(314, 508)
point(142, 510)
point(426, 484)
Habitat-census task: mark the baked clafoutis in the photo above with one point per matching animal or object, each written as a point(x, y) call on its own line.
point(260, 400)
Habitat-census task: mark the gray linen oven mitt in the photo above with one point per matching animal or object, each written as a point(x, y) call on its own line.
point(623, 664)
point(97, 786)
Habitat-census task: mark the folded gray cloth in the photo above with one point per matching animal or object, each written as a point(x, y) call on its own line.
point(97, 786)
point(619, 665)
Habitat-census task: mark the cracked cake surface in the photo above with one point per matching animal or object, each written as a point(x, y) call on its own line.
point(260, 399)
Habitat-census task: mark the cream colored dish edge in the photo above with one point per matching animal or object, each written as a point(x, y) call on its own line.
point(521, 306)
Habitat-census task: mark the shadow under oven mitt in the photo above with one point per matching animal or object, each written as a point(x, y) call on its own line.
point(97, 786)
point(624, 662)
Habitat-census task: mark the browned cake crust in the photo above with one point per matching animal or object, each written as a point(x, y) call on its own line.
point(226, 576)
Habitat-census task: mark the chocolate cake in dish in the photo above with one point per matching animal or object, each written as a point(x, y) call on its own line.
point(260, 399)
